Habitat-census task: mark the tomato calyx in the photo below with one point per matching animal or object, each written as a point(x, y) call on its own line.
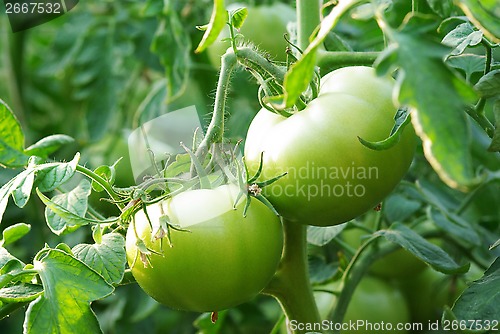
point(251, 188)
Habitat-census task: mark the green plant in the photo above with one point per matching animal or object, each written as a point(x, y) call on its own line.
point(116, 65)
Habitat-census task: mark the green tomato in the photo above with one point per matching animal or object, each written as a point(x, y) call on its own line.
point(373, 302)
point(265, 27)
point(222, 260)
point(428, 292)
point(331, 177)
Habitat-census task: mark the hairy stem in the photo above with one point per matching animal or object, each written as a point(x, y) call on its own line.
point(215, 129)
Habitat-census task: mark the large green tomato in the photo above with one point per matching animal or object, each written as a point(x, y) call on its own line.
point(373, 302)
point(222, 260)
point(332, 177)
point(265, 27)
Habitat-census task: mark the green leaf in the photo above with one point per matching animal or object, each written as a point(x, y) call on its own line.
point(52, 175)
point(11, 139)
point(422, 249)
point(398, 207)
point(48, 145)
point(172, 44)
point(21, 192)
point(442, 8)
point(321, 271)
point(74, 202)
point(489, 85)
point(238, 17)
point(436, 96)
point(484, 14)
point(495, 245)
point(462, 37)
point(20, 293)
point(153, 104)
point(48, 176)
point(108, 173)
point(300, 74)
point(69, 220)
point(217, 21)
point(495, 141)
point(106, 258)
point(481, 299)
point(13, 233)
point(320, 236)
point(70, 286)
point(5, 258)
point(469, 63)
point(458, 227)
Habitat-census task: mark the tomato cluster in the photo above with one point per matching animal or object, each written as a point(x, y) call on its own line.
point(217, 257)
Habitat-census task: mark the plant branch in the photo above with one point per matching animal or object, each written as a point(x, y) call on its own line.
point(481, 119)
point(291, 285)
point(308, 18)
point(215, 129)
point(102, 182)
point(333, 59)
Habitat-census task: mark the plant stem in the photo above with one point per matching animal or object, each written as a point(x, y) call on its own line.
point(250, 58)
point(482, 120)
point(215, 129)
point(333, 59)
point(291, 285)
point(357, 268)
point(15, 57)
point(102, 182)
point(308, 18)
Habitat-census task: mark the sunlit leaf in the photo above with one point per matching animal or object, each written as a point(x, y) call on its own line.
point(70, 286)
point(74, 201)
point(20, 293)
point(11, 139)
point(215, 26)
point(439, 119)
point(50, 176)
point(14, 232)
point(462, 37)
point(107, 257)
point(48, 145)
point(485, 15)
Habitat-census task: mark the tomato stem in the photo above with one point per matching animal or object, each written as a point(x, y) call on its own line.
point(334, 59)
point(291, 285)
point(102, 182)
point(215, 129)
point(308, 18)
